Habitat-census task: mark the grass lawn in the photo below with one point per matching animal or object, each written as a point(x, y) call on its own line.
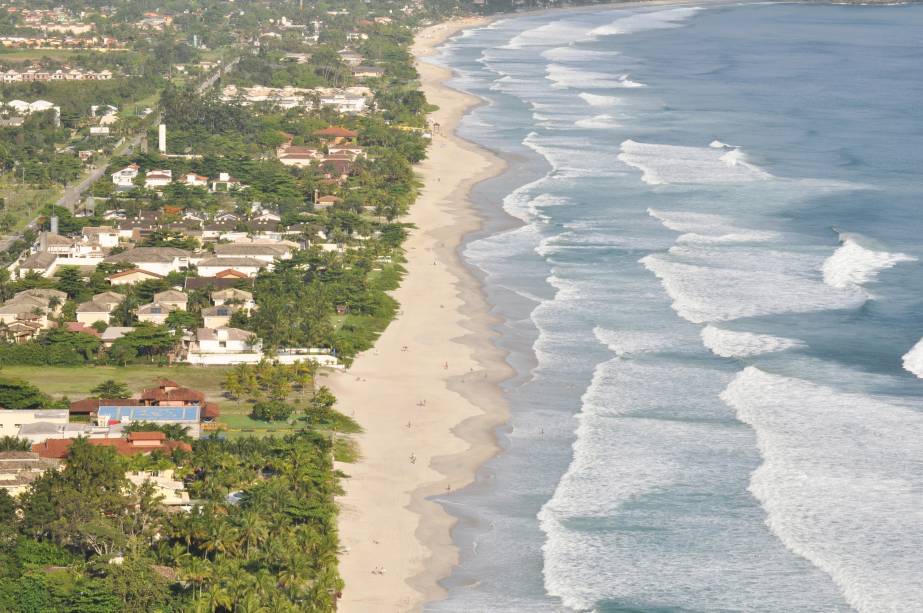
point(76, 383)
point(23, 202)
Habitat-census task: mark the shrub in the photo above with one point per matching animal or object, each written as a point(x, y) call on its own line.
point(273, 410)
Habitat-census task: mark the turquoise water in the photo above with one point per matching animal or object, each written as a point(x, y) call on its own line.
point(711, 296)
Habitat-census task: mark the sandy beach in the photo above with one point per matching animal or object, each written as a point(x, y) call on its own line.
point(427, 394)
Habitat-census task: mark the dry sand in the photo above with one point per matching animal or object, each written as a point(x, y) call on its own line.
point(412, 451)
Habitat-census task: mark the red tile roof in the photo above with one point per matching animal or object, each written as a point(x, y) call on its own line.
point(146, 436)
point(58, 448)
point(183, 394)
point(91, 405)
point(132, 271)
point(337, 132)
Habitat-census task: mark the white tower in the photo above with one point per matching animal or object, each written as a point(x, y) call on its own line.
point(162, 138)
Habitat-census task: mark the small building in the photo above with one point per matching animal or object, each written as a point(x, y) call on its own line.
point(104, 236)
point(218, 316)
point(154, 313)
point(125, 178)
point(132, 276)
point(233, 296)
point(136, 443)
point(172, 298)
point(18, 469)
point(114, 333)
point(248, 266)
point(158, 178)
point(191, 179)
point(170, 491)
point(12, 421)
point(90, 312)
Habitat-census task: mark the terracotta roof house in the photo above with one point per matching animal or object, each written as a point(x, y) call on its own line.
point(76, 326)
point(136, 443)
point(168, 393)
point(337, 134)
point(326, 202)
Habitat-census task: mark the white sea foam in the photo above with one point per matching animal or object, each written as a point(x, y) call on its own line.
point(731, 344)
point(575, 54)
point(625, 343)
point(664, 164)
point(656, 20)
point(706, 228)
point(554, 33)
point(717, 144)
point(841, 483)
point(598, 122)
point(563, 76)
point(726, 284)
point(913, 359)
point(598, 100)
point(852, 264)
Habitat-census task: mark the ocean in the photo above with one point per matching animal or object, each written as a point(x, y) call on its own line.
point(706, 256)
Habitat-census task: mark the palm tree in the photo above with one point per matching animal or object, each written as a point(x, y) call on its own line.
point(196, 571)
point(217, 598)
point(252, 529)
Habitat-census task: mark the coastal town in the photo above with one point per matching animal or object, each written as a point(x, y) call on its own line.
point(205, 210)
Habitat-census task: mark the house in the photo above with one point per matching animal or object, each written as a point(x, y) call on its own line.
point(172, 298)
point(267, 216)
point(218, 316)
point(110, 299)
point(91, 311)
point(41, 263)
point(226, 183)
point(136, 443)
point(217, 283)
point(104, 236)
point(248, 266)
point(154, 313)
point(346, 104)
point(350, 57)
point(292, 155)
point(325, 202)
point(74, 326)
point(114, 333)
point(158, 178)
point(132, 276)
point(233, 296)
point(159, 260)
point(266, 252)
point(368, 72)
point(125, 178)
point(12, 421)
point(191, 179)
point(18, 469)
point(224, 346)
point(88, 407)
point(168, 490)
point(336, 135)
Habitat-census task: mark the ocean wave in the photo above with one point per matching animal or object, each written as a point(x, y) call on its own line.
point(706, 228)
point(641, 22)
point(563, 77)
point(731, 344)
point(554, 33)
point(730, 285)
point(913, 359)
point(840, 483)
point(852, 264)
point(666, 164)
point(574, 54)
point(598, 100)
point(598, 122)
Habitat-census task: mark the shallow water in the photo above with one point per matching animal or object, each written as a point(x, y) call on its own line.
point(711, 303)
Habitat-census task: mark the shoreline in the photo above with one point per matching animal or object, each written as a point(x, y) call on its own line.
point(410, 452)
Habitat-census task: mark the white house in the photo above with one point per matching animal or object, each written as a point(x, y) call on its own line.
point(210, 267)
point(227, 340)
point(159, 260)
point(125, 178)
point(104, 236)
point(191, 179)
point(172, 298)
point(266, 252)
point(158, 178)
point(90, 312)
point(11, 421)
point(225, 183)
point(352, 105)
point(171, 492)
